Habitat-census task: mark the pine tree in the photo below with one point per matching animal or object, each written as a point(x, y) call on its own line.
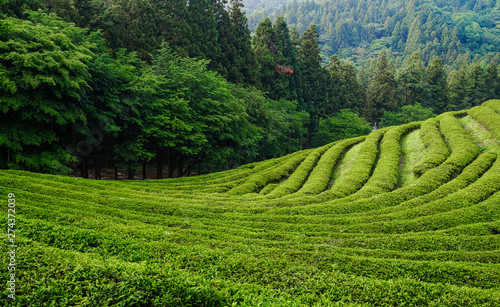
point(491, 82)
point(382, 91)
point(476, 87)
point(267, 53)
point(244, 67)
point(225, 37)
point(316, 81)
point(347, 90)
point(458, 90)
point(437, 80)
point(412, 80)
point(204, 33)
point(289, 59)
point(172, 25)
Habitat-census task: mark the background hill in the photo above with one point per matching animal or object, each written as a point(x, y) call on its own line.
point(407, 215)
point(456, 31)
point(162, 88)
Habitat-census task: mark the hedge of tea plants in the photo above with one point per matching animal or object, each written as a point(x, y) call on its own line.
point(291, 231)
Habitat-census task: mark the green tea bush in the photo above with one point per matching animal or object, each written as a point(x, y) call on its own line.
point(272, 233)
point(321, 174)
point(436, 148)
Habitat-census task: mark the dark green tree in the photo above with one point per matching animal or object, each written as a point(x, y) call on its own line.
point(458, 90)
point(412, 81)
point(267, 52)
point(16, 8)
point(291, 81)
point(347, 90)
point(172, 26)
point(43, 63)
point(243, 67)
point(315, 81)
point(131, 24)
point(204, 33)
point(382, 92)
point(225, 37)
point(491, 82)
point(437, 80)
point(477, 86)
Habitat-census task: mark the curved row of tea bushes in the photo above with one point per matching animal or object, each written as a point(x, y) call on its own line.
point(453, 208)
point(384, 178)
point(463, 147)
point(386, 173)
point(361, 169)
point(259, 180)
point(294, 181)
point(322, 173)
point(433, 242)
point(301, 174)
point(268, 188)
point(492, 104)
point(470, 174)
point(436, 149)
point(400, 212)
point(488, 117)
point(464, 151)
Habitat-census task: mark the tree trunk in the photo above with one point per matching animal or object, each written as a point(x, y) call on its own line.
point(171, 166)
point(131, 174)
point(199, 168)
point(308, 135)
point(159, 165)
point(171, 157)
point(116, 172)
point(84, 168)
point(159, 170)
point(179, 169)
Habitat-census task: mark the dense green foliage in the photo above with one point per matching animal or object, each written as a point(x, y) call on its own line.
point(136, 85)
point(357, 217)
point(343, 125)
point(69, 101)
point(290, 231)
point(407, 114)
point(452, 30)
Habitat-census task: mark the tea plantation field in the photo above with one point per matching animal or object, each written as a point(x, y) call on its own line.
point(406, 216)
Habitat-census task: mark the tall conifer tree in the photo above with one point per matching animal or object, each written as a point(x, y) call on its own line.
point(413, 82)
point(436, 78)
point(288, 59)
point(382, 91)
point(244, 66)
point(204, 33)
point(315, 80)
point(267, 51)
point(491, 82)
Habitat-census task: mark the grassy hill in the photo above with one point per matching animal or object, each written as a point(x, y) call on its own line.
point(408, 215)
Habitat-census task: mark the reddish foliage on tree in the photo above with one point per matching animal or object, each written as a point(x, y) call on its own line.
point(283, 70)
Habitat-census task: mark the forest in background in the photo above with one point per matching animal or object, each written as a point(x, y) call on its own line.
point(188, 89)
point(457, 31)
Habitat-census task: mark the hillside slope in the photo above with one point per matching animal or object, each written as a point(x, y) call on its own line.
point(408, 215)
point(358, 30)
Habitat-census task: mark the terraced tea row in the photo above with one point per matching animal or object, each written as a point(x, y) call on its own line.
point(330, 226)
